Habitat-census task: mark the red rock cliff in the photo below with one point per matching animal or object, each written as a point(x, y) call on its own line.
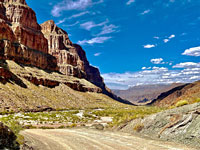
point(21, 38)
point(71, 58)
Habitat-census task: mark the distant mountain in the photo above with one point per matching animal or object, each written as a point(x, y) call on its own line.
point(144, 93)
point(189, 92)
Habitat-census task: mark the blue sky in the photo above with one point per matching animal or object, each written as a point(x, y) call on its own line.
point(132, 42)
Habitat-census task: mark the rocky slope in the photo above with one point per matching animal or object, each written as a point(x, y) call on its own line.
point(188, 92)
point(144, 93)
point(25, 88)
point(179, 125)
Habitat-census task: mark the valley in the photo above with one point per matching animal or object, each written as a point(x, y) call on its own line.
point(52, 97)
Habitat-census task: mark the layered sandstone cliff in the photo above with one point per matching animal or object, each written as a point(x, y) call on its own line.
point(21, 38)
point(71, 58)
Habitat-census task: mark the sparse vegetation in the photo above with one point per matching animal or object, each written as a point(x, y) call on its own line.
point(197, 100)
point(123, 115)
point(181, 103)
point(73, 118)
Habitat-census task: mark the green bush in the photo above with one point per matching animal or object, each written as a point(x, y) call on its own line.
point(181, 103)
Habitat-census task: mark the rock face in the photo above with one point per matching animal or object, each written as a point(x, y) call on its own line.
point(71, 58)
point(178, 125)
point(21, 38)
point(7, 138)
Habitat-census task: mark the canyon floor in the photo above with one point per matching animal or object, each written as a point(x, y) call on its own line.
point(88, 139)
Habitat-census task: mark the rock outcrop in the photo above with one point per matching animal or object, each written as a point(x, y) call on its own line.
point(71, 57)
point(21, 38)
point(177, 125)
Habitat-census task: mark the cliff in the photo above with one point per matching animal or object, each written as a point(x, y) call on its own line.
point(71, 58)
point(21, 38)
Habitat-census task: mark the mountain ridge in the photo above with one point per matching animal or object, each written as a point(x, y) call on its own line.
point(144, 94)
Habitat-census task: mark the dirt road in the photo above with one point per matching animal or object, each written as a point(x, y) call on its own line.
point(86, 139)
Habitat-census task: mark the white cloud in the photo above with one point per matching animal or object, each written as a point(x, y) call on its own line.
point(78, 15)
point(169, 38)
point(146, 68)
point(149, 46)
point(146, 12)
point(166, 40)
point(156, 37)
point(94, 40)
point(71, 25)
point(108, 29)
point(187, 65)
point(90, 24)
point(172, 36)
point(72, 5)
point(130, 2)
point(157, 61)
point(73, 16)
point(97, 54)
point(195, 78)
point(157, 75)
point(61, 21)
point(194, 51)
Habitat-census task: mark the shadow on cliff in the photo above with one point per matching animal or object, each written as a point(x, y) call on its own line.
point(115, 97)
point(166, 94)
point(8, 77)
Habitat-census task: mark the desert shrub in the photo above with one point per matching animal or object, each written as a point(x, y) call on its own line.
point(138, 127)
point(73, 125)
point(197, 100)
point(181, 103)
